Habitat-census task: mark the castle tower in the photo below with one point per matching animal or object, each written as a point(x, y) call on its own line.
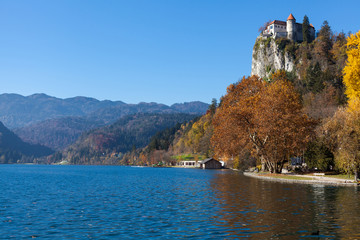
point(291, 27)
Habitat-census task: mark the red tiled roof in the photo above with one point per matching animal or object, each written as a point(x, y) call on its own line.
point(277, 22)
point(291, 17)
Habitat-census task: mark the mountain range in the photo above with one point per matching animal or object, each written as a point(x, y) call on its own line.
point(17, 111)
point(57, 123)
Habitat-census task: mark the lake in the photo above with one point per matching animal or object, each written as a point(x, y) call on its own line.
point(114, 202)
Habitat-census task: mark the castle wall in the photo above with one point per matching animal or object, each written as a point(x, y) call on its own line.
point(279, 28)
point(298, 32)
point(312, 34)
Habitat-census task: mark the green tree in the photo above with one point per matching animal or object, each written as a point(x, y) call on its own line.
point(306, 30)
point(213, 106)
point(324, 41)
point(314, 80)
point(318, 155)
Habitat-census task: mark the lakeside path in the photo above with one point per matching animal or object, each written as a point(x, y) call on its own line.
point(302, 179)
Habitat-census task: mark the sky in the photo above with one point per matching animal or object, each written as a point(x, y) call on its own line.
point(165, 51)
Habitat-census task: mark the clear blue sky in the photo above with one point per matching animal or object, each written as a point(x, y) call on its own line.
point(162, 51)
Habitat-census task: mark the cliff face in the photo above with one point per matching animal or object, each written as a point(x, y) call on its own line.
point(270, 55)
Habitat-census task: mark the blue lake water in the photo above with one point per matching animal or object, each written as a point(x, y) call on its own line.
point(113, 202)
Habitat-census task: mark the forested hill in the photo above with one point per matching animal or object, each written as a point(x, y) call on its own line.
point(14, 150)
point(107, 144)
point(57, 133)
point(17, 111)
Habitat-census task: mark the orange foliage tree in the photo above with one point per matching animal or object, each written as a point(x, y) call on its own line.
point(266, 118)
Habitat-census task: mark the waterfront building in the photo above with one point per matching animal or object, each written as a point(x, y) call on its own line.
point(210, 163)
point(189, 164)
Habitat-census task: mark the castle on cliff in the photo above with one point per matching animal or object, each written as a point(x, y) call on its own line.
point(289, 29)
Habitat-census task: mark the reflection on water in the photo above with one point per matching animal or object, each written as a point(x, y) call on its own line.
point(263, 209)
point(112, 202)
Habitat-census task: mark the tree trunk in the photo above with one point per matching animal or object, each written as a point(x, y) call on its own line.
point(272, 167)
point(279, 166)
point(263, 164)
point(356, 175)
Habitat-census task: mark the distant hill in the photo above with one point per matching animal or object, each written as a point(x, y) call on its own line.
point(195, 107)
point(57, 133)
point(17, 111)
point(132, 131)
point(14, 150)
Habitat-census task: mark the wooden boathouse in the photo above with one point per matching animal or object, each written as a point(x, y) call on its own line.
point(210, 163)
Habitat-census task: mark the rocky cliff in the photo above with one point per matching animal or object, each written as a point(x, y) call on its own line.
point(270, 55)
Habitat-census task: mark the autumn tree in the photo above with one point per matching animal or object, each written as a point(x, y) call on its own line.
point(352, 68)
point(321, 105)
point(196, 139)
point(343, 130)
point(230, 124)
point(264, 117)
point(343, 135)
point(339, 52)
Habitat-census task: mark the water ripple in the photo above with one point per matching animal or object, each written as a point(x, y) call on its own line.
point(109, 202)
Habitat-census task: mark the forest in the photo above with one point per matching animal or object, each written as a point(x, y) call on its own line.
point(14, 150)
point(108, 144)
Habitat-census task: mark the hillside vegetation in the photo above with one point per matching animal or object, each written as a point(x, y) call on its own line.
point(57, 133)
point(106, 145)
point(14, 150)
point(187, 141)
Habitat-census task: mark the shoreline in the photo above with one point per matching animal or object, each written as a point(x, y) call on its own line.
point(312, 179)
